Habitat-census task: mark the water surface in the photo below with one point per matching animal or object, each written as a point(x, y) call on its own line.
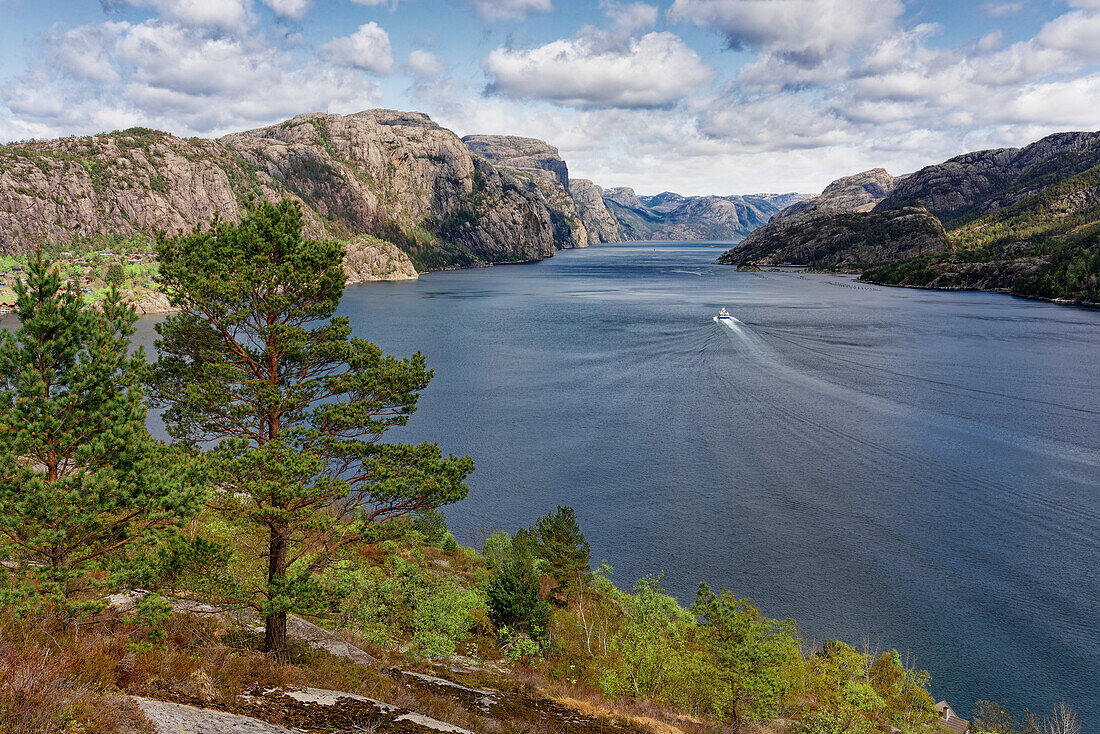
point(916, 467)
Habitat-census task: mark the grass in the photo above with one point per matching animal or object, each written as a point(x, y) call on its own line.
point(55, 680)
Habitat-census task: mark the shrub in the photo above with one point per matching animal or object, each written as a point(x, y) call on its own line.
point(513, 596)
point(443, 618)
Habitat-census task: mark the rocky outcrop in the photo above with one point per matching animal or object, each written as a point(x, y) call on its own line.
point(536, 167)
point(148, 301)
point(670, 216)
point(175, 718)
point(136, 181)
point(845, 240)
point(969, 186)
point(789, 231)
point(395, 175)
point(856, 193)
point(370, 259)
point(598, 222)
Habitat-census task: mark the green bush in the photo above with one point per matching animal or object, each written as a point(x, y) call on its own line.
point(513, 597)
point(442, 618)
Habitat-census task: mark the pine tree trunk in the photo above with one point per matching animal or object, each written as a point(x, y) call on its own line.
point(275, 627)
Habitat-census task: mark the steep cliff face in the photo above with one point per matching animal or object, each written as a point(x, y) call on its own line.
point(397, 176)
point(845, 239)
point(536, 167)
point(402, 177)
point(670, 216)
point(969, 186)
point(518, 152)
point(598, 222)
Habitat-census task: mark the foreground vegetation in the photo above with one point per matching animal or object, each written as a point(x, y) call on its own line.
point(280, 497)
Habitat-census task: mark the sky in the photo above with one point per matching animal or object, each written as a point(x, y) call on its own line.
point(693, 96)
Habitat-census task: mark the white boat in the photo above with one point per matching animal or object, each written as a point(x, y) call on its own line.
point(724, 317)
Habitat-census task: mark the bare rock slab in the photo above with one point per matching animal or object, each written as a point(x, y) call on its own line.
point(176, 718)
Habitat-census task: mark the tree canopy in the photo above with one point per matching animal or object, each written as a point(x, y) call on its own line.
point(292, 406)
point(80, 476)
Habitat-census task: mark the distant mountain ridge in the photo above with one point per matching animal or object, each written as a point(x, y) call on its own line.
point(1024, 221)
point(583, 213)
point(834, 228)
point(670, 216)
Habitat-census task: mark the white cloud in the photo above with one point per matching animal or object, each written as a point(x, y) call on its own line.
point(630, 18)
point(367, 49)
point(1077, 33)
point(224, 14)
point(803, 32)
point(655, 70)
point(1003, 9)
point(425, 63)
point(289, 9)
point(494, 10)
point(84, 51)
point(182, 79)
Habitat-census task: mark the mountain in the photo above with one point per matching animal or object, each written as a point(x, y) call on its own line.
point(601, 225)
point(970, 186)
point(670, 216)
point(845, 239)
point(830, 229)
point(395, 176)
point(857, 193)
point(536, 166)
point(1024, 221)
point(582, 213)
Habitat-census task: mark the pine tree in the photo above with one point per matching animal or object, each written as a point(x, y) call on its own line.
point(513, 597)
point(256, 362)
point(80, 477)
point(565, 551)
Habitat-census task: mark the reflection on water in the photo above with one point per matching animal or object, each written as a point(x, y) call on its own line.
point(918, 467)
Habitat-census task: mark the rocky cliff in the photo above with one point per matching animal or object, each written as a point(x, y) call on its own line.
point(670, 216)
point(972, 185)
point(856, 193)
point(536, 167)
point(371, 259)
point(396, 176)
point(598, 222)
point(788, 236)
point(1019, 220)
point(845, 239)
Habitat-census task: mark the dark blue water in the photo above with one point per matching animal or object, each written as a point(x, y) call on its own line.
point(920, 468)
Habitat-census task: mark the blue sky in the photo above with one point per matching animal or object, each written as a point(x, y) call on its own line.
point(695, 96)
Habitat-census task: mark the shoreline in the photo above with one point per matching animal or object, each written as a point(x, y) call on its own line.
point(820, 271)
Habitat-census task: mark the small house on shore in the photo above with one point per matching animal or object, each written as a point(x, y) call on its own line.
point(950, 720)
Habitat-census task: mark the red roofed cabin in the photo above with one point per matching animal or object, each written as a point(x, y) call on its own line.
point(950, 721)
